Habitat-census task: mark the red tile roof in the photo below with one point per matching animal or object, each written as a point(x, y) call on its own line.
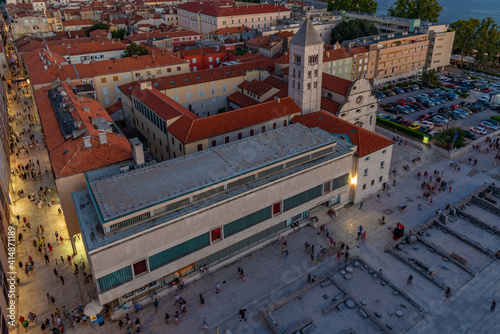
point(230, 30)
point(161, 104)
point(77, 23)
point(115, 107)
point(257, 87)
point(39, 75)
point(336, 84)
point(359, 49)
point(220, 9)
point(187, 130)
point(366, 141)
point(242, 100)
point(68, 156)
point(192, 78)
point(329, 105)
point(331, 55)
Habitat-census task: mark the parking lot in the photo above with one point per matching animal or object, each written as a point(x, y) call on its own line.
point(472, 120)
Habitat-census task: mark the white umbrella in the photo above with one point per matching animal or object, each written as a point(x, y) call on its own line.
point(93, 308)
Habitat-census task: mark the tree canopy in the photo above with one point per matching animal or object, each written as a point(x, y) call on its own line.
point(479, 38)
point(96, 26)
point(445, 137)
point(119, 33)
point(430, 79)
point(134, 49)
point(365, 6)
point(427, 10)
point(352, 29)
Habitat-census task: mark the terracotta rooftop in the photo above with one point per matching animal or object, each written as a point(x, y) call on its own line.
point(188, 130)
point(193, 78)
point(331, 55)
point(329, 105)
point(359, 49)
point(366, 141)
point(162, 105)
point(242, 100)
point(77, 23)
point(219, 9)
point(85, 48)
point(266, 42)
point(257, 87)
point(39, 75)
point(202, 51)
point(336, 84)
point(230, 30)
point(69, 156)
point(115, 107)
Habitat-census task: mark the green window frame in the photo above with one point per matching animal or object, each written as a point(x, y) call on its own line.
point(247, 221)
point(174, 253)
point(302, 198)
point(115, 279)
point(340, 181)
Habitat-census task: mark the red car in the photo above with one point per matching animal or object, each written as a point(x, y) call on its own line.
point(402, 103)
point(420, 105)
point(455, 106)
point(423, 117)
point(406, 123)
point(450, 86)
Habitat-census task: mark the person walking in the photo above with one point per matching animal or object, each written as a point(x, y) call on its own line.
point(447, 294)
point(361, 205)
point(409, 280)
point(242, 314)
point(493, 306)
point(156, 303)
point(167, 317)
point(202, 300)
point(217, 287)
point(62, 279)
point(204, 325)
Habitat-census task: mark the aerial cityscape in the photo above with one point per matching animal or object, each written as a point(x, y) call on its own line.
point(250, 166)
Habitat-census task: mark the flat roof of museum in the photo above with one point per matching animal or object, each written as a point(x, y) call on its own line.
point(135, 190)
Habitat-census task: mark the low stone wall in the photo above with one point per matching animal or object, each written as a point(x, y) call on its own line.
point(468, 147)
point(466, 240)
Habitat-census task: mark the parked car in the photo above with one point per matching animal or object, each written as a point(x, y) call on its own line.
point(470, 135)
point(424, 129)
point(438, 122)
point(441, 118)
point(414, 126)
point(478, 130)
point(423, 117)
point(443, 109)
point(488, 125)
point(427, 124)
point(451, 86)
point(493, 121)
point(483, 99)
point(406, 123)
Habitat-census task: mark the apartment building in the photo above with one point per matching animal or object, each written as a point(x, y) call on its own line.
point(394, 56)
point(266, 46)
point(204, 58)
point(174, 37)
point(204, 208)
point(338, 61)
point(77, 24)
point(80, 137)
point(46, 67)
point(440, 47)
point(385, 24)
point(76, 53)
point(31, 23)
point(361, 65)
point(205, 17)
point(203, 92)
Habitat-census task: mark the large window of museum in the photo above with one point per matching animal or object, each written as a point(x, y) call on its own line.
point(169, 255)
point(115, 279)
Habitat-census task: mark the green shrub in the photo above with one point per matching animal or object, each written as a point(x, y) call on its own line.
point(391, 86)
point(464, 95)
point(495, 117)
point(402, 128)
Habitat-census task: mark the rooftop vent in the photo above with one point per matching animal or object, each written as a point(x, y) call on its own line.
point(102, 138)
point(86, 108)
point(86, 142)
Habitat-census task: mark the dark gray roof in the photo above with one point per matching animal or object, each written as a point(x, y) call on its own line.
point(307, 35)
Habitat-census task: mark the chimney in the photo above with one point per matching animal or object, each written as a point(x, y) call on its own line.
point(86, 142)
point(45, 67)
point(277, 99)
point(137, 151)
point(86, 108)
point(102, 138)
point(337, 45)
point(153, 54)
